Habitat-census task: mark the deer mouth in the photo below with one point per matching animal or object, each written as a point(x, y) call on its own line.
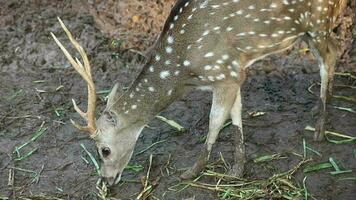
point(111, 181)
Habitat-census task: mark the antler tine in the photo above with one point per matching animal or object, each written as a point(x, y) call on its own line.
point(76, 108)
point(79, 48)
point(85, 73)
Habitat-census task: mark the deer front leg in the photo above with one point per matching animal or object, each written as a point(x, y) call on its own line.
point(239, 151)
point(326, 56)
point(223, 99)
point(320, 123)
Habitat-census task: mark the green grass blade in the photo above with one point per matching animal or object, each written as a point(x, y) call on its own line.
point(333, 163)
point(92, 158)
point(345, 109)
point(305, 188)
point(26, 156)
point(346, 141)
point(340, 172)
point(304, 149)
point(135, 168)
point(314, 151)
point(36, 135)
point(317, 167)
point(172, 123)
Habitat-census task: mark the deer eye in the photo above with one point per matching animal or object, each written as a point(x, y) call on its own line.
point(105, 152)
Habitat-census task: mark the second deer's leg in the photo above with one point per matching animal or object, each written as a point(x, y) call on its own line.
point(326, 54)
point(223, 99)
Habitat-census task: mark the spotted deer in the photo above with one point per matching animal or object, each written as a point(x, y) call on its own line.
point(207, 44)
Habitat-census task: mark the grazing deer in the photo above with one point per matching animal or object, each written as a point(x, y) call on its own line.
point(207, 44)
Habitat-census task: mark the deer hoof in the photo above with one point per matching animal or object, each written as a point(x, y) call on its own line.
point(319, 129)
point(315, 111)
point(237, 171)
point(189, 174)
point(197, 167)
point(193, 171)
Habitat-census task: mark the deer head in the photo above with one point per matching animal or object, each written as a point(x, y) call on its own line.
point(114, 134)
point(115, 140)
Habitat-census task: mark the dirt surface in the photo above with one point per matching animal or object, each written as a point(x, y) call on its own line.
point(37, 83)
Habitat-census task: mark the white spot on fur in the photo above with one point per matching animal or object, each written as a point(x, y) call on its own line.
point(170, 40)
point(164, 74)
point(210, 54)
point(169, 49)
point(151, 89)
point(186, 63)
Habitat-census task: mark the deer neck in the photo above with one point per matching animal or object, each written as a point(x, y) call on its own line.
point(154, 89)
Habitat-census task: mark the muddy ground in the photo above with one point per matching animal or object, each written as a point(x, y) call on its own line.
point(37, 83)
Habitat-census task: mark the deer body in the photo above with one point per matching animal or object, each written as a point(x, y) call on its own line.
point(205, 43)
point(208, 44)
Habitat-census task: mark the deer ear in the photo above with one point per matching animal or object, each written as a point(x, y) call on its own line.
point(112, 95)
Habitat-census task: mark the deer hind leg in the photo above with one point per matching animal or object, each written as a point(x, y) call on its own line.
point(325, 52)
point(223, 99)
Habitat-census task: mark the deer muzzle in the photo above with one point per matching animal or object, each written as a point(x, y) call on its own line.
point(112, 180)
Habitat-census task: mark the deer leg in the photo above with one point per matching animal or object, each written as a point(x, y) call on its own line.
point(239, 151)
point(327, 57)
point(223, 99)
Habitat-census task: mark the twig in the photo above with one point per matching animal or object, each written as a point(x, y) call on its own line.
point(276, 187)
point(345, 74)
point(152, 145)
point(349, 99)
point(346, 138)
point(146, 188)
point(309, 128)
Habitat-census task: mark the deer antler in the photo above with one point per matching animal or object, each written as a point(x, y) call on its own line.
point(85, 73)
